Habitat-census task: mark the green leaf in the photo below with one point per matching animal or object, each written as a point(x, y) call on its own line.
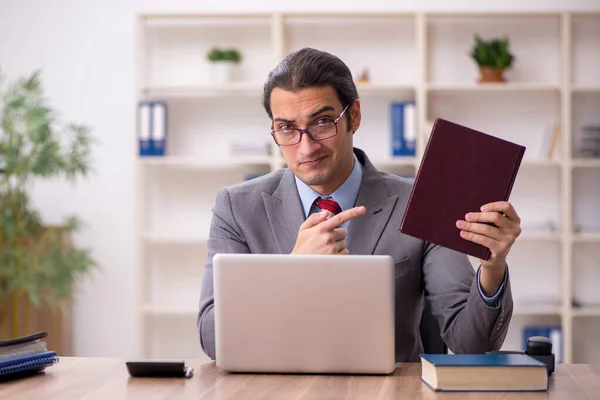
point(494, 53)
point(43, 264)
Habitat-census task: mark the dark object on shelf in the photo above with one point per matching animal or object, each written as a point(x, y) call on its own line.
point(363, 76)
point(538, 347)
point(589, 145)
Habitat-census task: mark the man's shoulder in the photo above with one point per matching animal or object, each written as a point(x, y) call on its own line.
point(397, 183)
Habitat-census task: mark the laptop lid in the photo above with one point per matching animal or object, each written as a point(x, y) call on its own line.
point(304, 313)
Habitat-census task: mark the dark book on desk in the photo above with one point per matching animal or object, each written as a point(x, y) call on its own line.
point(25, 355)
point(462, 169)
point(483, 373)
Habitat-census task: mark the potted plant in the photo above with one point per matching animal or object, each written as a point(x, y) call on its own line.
point(222, 63)
point(493, 57)
point(39, 264)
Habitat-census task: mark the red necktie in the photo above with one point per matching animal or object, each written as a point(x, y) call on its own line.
point(328, 204)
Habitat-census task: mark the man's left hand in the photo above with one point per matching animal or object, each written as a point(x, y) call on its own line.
point(499, 238)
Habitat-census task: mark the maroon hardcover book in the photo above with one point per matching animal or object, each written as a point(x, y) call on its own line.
point(461, 170)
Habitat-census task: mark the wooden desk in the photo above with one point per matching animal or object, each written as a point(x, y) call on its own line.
point(107, 378)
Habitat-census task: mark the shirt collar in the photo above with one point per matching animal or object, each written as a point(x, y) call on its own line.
point(345, 195)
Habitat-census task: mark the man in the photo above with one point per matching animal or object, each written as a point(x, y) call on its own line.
point(315, 111)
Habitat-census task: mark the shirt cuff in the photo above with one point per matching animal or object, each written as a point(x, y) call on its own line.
point(492, 301)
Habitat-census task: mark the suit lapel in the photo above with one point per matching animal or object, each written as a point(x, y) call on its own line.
point(364, 232)
point(285, 213)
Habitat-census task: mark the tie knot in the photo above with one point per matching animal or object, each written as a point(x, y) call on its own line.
point(328, 204)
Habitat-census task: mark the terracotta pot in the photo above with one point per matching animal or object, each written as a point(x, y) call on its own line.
point(57, 322)
point(491, 74)
point(18, 317)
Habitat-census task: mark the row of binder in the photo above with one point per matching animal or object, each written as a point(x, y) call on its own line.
point(403, 128)
point(152, 128)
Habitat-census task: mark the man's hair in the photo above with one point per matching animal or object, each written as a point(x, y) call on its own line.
point(308, 68)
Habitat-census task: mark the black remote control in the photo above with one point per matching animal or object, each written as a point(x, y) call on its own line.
point(159, 369)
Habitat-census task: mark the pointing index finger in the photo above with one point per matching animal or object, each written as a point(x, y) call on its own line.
point(342, 217)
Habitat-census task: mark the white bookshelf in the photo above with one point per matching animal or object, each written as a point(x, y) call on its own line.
point(418, 56)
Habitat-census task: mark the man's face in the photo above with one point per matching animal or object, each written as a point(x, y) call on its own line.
point(325, 164)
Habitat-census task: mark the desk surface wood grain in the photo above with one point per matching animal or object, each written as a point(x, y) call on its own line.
point(107, 378)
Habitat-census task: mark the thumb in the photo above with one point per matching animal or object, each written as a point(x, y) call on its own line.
point(315, 219)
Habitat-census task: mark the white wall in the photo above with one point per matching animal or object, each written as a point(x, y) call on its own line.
point(85, 50)
point(371, 5)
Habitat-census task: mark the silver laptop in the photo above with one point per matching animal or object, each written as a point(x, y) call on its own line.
point(304, 313)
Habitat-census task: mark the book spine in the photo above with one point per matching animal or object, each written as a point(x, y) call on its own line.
point(144, 112)
point(397, 129)
point(23, 349)
point(159, 128)
point(33, 364)
point(410, 129)
point(513, 178)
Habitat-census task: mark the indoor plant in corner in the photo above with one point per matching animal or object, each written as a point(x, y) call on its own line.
point(222, 63)
point(493, 57)
point(39, 264)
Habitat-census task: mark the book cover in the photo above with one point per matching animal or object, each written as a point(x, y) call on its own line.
point(496, 372)
point(482, 360)
point(461, 170)
point(32, 362)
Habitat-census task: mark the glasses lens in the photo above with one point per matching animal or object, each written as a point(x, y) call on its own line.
point(286, 136)
point(323, 129)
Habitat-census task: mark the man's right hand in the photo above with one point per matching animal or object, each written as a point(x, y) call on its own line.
point(319, 235)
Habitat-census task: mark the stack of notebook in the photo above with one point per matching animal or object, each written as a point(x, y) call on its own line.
point(25, 355)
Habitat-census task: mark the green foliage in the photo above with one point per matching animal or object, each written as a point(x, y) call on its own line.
point(37, 261)
point(217, 54)
point(494, 53)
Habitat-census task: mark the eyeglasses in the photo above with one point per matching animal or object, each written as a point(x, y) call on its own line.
point(324, 128)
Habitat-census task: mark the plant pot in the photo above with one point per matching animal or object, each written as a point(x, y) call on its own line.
point(491, 74)
point(221, 72)
point(18, 317)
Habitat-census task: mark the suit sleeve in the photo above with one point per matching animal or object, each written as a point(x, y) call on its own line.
point(467, 322)
point(224, 237)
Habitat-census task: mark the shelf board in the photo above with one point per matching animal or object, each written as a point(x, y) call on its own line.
point(536, 310)
point(191, 238)
point(542, 163)
point(207, 90)
point(492, 87)
point(190, 162)
point(540, 236)
point(395, 162)
point(177, 18)
point(255, 89)
point(384, 88)
point(161, 309)
point(586, 89)
point(353, 18)
point(172, 310)
point(586, 237)
point(589, 311)
point(492, 14)
point(586, 163)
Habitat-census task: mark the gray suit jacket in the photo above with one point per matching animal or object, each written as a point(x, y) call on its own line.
point(263, 215)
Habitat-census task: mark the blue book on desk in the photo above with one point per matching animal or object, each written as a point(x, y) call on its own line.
point(483, 373)
point(27, 363)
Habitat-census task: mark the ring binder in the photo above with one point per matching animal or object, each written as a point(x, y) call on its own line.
point(35, 362)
